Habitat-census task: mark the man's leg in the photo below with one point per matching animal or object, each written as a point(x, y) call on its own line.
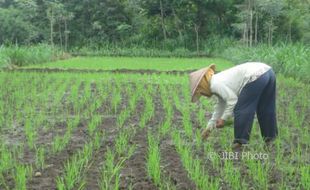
point(245, 108)
point(266, 110)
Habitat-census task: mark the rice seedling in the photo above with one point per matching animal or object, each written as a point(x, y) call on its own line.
point(110, 171)
point(233, 176)
point(305, 177)
point(30, 133)
point(93, 124)
point(259, 171)
point(153, 160)
point(193, 165)
point(121, 142)
point(22, 173)
point(74, 169)
point(40, 157)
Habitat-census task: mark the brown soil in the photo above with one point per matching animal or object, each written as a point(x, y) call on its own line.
point(173, 167)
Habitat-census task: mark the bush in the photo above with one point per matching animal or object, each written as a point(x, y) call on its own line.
point(25, 55)
point(289, 59)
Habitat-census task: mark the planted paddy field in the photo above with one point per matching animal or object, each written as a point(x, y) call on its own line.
point(138, 130)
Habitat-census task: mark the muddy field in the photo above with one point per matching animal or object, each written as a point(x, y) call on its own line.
point(138, 130)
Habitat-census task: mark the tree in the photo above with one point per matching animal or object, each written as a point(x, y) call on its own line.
point(15, 28)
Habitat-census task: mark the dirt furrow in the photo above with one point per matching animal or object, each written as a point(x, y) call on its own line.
point(110, 130)
point(172, 166)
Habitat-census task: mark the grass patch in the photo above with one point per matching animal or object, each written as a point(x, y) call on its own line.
point(134, 63)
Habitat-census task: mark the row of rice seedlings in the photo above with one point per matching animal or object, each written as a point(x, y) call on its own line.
point(57, 105)
point(75, 167)
point(116, 98)
point(259, 172)
point(232, 175)
point(21, 175)
point(229, 172)
point(193, 166)
point(115, 159)
point(74, 98)
point(125, 113)
point(153, 166)
point(30, 132)
point(153, 160)
point(13, 98)
point(149, 109)
point(40, 156)
point(305, 177)
point(11, 168)
point(185, 111)
point(8, 162)
point(60, 142)
point(164, 129)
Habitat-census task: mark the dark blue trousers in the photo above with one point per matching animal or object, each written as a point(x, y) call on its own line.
point(258, 96)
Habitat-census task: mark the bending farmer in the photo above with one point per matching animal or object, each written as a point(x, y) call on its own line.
point(241, 91)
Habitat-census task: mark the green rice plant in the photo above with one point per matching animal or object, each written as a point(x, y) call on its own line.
point(259, 172)
point(202, 118)
point(7, 162)
point(148, 110)
point(73, 169)
point(6, 157)
point(153, 160)
point(122, 117)
point(93, 124)
point(187, 126)
point(110, 171)
point(193, 165)
point(122, 140)
point(30, 133)
point(305, 177)
point(20, 176)
point(232, 175)
point(59, 142)
point(165, 127)
point(40, 157)
point(198, 139)
point(116, 99)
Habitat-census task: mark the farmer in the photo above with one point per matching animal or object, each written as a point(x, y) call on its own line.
point(241, 91)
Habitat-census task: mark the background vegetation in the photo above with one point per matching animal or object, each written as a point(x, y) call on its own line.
point(273, 31)
point(152, 23)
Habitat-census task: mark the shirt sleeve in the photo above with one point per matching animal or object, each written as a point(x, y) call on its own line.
point(219, 108)
point(227, 101)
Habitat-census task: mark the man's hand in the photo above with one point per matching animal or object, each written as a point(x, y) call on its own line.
point(220, 123)
point(205, 133)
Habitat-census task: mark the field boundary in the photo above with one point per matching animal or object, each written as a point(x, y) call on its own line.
point(127, 71)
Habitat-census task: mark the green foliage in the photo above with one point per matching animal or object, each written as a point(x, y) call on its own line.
point(289, 59)
point(153, 159)
point(154, 24)
point(15, 28)
point(26, 55)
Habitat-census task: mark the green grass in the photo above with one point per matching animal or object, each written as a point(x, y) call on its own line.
point(288, 59)
point(26, 55)
point(134, 63)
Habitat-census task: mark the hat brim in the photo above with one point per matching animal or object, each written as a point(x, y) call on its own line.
point(195, 95)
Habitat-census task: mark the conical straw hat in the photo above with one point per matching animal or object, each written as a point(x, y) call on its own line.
point(195, 79)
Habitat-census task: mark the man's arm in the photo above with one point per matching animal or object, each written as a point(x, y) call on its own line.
point(218, 112)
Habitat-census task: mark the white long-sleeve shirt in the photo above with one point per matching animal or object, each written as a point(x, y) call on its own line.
point(228, 84)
